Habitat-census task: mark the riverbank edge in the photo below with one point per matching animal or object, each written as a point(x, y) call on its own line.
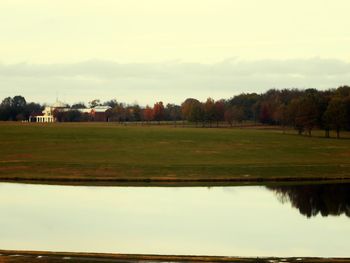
point(175, 181)
point(100, 257)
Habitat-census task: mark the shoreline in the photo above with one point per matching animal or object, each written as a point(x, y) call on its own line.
point(235, 181)
point(39, 256)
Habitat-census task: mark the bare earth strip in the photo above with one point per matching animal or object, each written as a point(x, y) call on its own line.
point(58, 257)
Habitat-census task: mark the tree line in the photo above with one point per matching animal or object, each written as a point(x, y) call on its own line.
point(304, 110)
point(17, 109)
point(314, 199)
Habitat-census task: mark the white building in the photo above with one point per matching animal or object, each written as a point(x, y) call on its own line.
point(48, 114)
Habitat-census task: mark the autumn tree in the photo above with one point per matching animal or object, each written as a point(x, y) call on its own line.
point(148, 113)
point(186, 108)
point(219, 113)
point(234, 114)
point(265, 115)
point(209, 111)
point(192, 110)
point(158, 112)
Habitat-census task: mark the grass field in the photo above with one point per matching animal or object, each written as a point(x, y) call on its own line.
point(110, 152)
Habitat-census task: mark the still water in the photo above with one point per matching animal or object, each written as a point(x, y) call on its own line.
point(249, 221)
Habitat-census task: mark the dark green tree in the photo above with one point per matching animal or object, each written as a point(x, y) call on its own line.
point(336, 115)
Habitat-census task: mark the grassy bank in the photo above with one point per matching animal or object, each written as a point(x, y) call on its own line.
point(99, 152)
point(53, 257)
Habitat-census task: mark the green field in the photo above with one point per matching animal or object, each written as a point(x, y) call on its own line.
point(111, 152)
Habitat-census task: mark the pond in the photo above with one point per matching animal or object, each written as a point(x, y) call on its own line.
point(304, 220)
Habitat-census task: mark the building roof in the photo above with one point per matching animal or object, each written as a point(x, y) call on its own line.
point(101, 108)
point(85, 110)
point(59, 104)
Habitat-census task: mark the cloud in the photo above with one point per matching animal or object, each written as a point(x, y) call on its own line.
point(229, 67)
point(169, 81)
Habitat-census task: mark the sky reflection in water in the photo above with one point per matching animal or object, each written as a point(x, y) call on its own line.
point(233, 221)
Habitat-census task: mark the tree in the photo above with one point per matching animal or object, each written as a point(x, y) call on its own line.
point(148, 114)
point(158, 111)
point(303, 114)
point(197, 114)
point(173, 112)
point(234, 114)
point(346, 101)
point(336, 116)
point(192, 110)
point(238, 114)
point(32, 109)
point(280, 116)
point(209, 110)
point(307, 113)
point(13, 108)
point(6, 109)
point(111, 103)
point(343, 91)
point(265, 113)
point(292, 110)
point(79, 105)
point(314, 199)
point(119, 113)
point(186, 108)
point(136, 113)
point(94, 103)
point(246, 101)
point(58, 115)
point(72, 116)
point(219, 114)
point(19, 102)
point(229, 116)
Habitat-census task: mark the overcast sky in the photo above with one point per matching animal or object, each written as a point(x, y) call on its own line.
point(169, 50)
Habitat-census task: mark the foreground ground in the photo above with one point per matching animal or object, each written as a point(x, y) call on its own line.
point(110, 152)
point(52, 257)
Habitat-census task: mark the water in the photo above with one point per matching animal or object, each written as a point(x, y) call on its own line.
point(233, 221)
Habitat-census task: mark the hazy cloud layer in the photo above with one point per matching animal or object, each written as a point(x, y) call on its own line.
point(170, 82)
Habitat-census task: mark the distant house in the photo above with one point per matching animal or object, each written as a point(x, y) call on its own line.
point(98, 113)
point(48, 113)
point(35, 117)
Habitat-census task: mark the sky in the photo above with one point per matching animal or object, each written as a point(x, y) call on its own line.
point(146, 51)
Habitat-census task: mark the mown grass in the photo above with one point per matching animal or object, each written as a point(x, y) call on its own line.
point(107, 151)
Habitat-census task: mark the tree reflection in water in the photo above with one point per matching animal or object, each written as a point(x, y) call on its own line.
point(326, 199)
